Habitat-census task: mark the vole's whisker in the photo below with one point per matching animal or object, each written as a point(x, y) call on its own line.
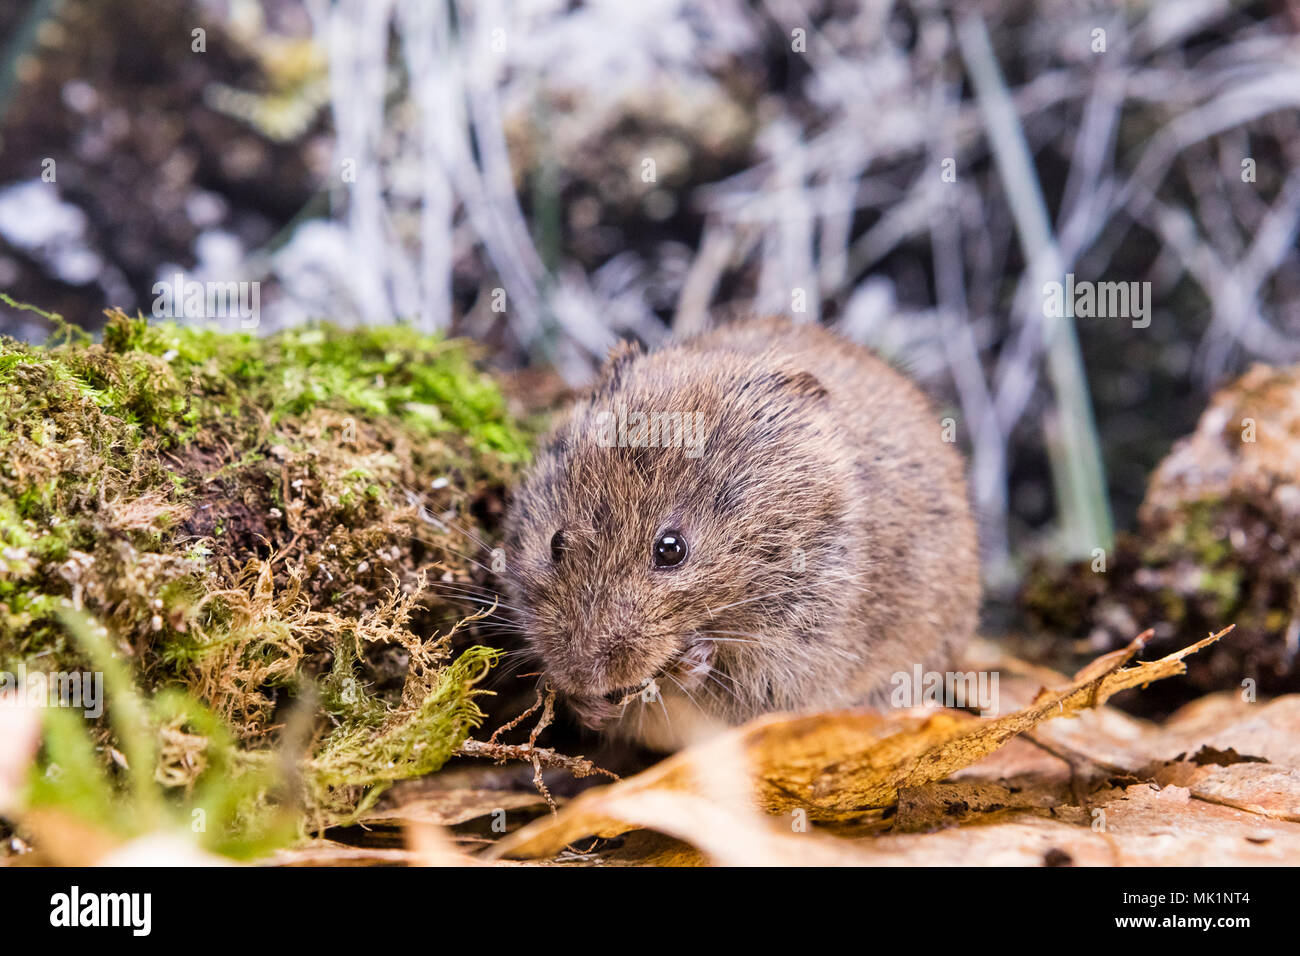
point(710, 635)
point(664, 707)
point(714, 673)
point(428, 517)
point(735, 695)
point(486, 600)
point(510, 668)
point(467, 585)
point(443, 546)
point(779, 592)
point(472, 588)
point(680, 686)
point(475, 598)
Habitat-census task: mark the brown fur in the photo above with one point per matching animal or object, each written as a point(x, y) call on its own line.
point(831, 543)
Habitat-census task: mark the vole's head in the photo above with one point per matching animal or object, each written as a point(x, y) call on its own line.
point(676, 526)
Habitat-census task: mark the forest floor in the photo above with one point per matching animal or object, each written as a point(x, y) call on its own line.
point(255, 579)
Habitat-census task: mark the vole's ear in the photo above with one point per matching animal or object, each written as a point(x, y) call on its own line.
point(806, 385)
point(795, 383)
point(616, 363)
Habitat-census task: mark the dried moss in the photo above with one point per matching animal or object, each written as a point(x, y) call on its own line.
point(252, 518)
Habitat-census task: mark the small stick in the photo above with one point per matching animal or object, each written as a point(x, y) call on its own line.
point(578, 766)
point(517, 721)
point(548, 714)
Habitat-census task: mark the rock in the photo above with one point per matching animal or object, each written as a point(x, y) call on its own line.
point(1217, 543)
point(1246, 444)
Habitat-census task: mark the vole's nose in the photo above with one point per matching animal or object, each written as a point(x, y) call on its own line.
point(606, 668)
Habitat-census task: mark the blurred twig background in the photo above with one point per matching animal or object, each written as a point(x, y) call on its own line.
point(550, 176)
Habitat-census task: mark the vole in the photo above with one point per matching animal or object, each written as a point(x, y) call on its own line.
point(765, 517)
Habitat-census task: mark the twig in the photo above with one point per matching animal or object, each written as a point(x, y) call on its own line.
point(578, 766)
point(511, 725)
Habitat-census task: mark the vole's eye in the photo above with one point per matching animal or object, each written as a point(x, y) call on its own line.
point(557, 546)
point(669, 549)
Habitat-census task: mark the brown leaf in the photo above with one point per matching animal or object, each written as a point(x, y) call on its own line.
point(20, 734)
point(446, 808)
point(831, 766)
point(331, 853)
point(1136, 826)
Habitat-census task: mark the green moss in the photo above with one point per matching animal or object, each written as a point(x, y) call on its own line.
point(1198, 533)
point(365, 755)
point(243, 516)
point(1211, 561)
point(428, 384)
point(1223, 586)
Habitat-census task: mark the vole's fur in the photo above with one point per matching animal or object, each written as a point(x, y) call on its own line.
point(831, 544)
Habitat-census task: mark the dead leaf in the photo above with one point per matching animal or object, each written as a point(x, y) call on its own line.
point(1136, 826)
point(831, 766)
point(431, 845)
point(331, 853)
point(446, 808)
point(20, 729)
point(65, 840)
point(937, 805)
point(161, 849)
